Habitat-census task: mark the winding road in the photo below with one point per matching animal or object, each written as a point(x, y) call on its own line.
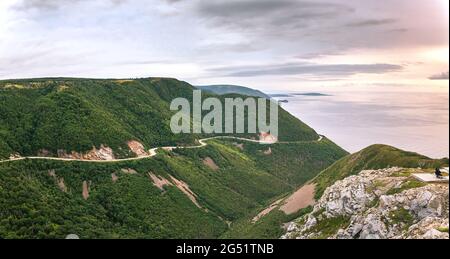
point(153, 151)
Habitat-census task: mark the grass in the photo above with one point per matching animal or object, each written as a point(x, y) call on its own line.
point(402, 217)
point(404, 173)
point(374, 203)
point(373, 158)
point(329, 226)
point(410, 184)
point(376, 185)
point(442, 229)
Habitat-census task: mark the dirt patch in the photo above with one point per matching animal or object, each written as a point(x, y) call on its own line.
point(159, 182)
point(11, 86)
point(15, 156)
point(182, 186)
point(59, 181)
point(123, 81)
point(301, 199)
point(103, 153)
point(267, 138)
point(128, 171)
point(210, 163)
point(114, 177)
point(44, 153)
point(137, 148)
point(240, 146)
point(62, 185)
point(52, 173)
point(268, 152)
point(86, 190)
point(266, 211)
point(62, 88)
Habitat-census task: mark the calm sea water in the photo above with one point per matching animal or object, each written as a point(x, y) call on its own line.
point(416, 122)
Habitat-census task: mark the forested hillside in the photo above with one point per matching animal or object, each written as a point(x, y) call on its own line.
point(192, 193)
point(62, 114)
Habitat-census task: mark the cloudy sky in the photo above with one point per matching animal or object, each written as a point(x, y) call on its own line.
point(265, 44)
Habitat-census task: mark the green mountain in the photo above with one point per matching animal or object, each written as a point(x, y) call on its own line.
point(233, 89)
point(212, 191)
point(182, 193)
point(373, 158)
point(62, 114)
point(191, 193)
point(382, 192)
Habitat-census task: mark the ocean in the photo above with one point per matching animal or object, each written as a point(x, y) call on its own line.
point(413, 121)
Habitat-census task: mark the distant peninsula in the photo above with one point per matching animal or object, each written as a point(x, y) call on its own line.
point(310, 94)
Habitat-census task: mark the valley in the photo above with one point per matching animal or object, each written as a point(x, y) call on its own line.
point(111, 187)
point(151, 153)
point(87, 159)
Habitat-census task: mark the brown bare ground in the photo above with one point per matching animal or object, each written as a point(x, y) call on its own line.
point(128, 171)
point(267, 137)
point(240, 146)
point(266, 211)
point(43, 153)
point(15, 156)
point(52, 173)
point(17, 86)
point(59, 181)
point(137, 148)
point(122, 81)
point(159, 182)
point(85, 190)
point(210, 163)
point(268, 152)
point(62, 88)
point(62, 185)
point(182, 186)
point(103, 153)
point(302, 198)
point(114, 177)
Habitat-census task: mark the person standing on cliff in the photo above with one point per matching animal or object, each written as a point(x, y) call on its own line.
point(438, 173)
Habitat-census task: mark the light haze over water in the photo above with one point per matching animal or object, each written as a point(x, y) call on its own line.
point(413, 121)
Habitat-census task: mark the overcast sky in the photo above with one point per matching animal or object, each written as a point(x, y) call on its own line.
point(265, 44)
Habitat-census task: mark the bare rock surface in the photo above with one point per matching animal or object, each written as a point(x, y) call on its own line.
point(377, 204)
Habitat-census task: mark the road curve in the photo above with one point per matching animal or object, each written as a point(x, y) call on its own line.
point(153, 152)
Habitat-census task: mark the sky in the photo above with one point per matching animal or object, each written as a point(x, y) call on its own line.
point(271, 45)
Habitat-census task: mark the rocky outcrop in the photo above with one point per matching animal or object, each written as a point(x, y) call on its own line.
point(15, 156)
point(114, 177)
point(137, 148)
point(377, 204)
point(102, 153)
point(86, 190)
point(128, 171)
point(209, 162)
point(159, 182)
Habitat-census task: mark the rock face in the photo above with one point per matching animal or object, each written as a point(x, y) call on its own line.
point(377, 204)
point(137, 148)
point(103, 153)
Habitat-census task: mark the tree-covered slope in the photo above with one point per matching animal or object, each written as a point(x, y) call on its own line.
point(372, 158)
point(202, 191)
point(184, 193)
point(76, 114)
point(233, 89)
